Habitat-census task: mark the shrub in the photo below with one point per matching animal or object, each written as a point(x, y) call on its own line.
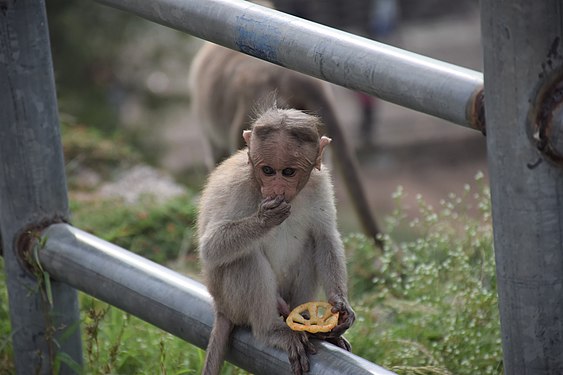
point(425, 305)
point(429, 305)
point(160, 232)
point(118, 343)
point(87, 150)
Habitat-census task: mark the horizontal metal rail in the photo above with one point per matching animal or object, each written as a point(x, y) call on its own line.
point(170, 301)
point(398, 76)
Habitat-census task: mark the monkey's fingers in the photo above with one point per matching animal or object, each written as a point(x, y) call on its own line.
point(272, 216)
point(309, 347)
point(326, 335)
point(283, 307)
point(346, 320)
point(339, 305)
point(298, 359)
point(340, 329)
point(280, 213)
point(272, 202)
point(346, 315)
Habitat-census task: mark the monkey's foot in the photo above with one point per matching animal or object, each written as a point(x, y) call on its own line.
point(298, 349)
point(341, 342)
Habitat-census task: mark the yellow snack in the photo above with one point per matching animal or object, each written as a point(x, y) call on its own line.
point(318, 319)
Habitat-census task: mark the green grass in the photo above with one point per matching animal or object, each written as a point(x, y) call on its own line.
point(6, 354)
point(426, 305)
point(115, 342)
point(118, 343)
point(159, 232)
point(429, 305)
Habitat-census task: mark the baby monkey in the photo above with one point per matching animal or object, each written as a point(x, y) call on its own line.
point(268, 237)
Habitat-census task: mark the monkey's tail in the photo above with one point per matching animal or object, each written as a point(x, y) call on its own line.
point(348, 166)
point(217, 347)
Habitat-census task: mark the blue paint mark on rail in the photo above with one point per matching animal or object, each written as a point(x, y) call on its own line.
point(257, 38)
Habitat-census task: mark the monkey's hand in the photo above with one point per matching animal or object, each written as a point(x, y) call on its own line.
point(283, 307)
point(346, 318)
point(273, 211)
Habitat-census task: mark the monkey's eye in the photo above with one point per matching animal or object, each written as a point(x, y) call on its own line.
point(288, 172)
point(268, 171)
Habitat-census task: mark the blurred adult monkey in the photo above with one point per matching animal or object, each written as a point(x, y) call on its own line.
point(268, 237)
point(226, 85)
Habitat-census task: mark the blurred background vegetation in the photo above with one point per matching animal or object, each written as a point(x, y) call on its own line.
point(116, 72)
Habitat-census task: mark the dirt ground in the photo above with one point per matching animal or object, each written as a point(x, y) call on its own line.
point(425, 155)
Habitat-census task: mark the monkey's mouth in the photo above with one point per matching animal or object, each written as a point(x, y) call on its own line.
point(279, 197)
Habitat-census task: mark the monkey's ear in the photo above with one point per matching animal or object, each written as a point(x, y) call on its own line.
point(324, 141)
point(246, 135)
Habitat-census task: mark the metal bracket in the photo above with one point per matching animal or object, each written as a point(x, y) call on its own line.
point(546, 118)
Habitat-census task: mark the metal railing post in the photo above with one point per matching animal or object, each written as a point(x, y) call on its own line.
point(523, 71)
point(32, 192)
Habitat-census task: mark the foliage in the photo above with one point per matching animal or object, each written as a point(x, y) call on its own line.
point(86, 38)
point(160, 232)
point(429, 305)
point(426, 305)
point(116, 70)
point(6, 353)
point(118, 343)
point(86, 148)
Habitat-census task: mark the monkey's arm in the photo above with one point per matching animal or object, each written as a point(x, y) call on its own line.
point(225, 241)
point(331, 268)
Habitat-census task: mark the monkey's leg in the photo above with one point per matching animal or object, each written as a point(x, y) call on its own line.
point(217, 346)
point(304, 289)
point(296, 344)
point(303, 286)
point(260, 301)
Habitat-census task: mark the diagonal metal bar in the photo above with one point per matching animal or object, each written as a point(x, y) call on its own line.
point(170, 301)
point(421, 83)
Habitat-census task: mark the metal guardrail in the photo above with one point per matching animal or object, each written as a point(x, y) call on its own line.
point(398, 76)
point(170, 301)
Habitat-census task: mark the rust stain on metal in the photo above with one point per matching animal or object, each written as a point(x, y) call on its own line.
point(29, 237)
point(549, 98)
point(476, 111)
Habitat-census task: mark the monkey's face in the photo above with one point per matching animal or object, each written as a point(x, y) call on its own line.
point(281, 169)
point(280, 180)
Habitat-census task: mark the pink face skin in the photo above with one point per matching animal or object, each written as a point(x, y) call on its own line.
point(281, 172)
point(277, 178)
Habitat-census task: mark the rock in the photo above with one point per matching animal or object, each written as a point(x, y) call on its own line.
point(142, 181)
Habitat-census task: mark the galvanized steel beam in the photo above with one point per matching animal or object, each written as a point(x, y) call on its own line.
point(32, 192)
point(170, 301)
point(401, 77)
point(523, 56)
